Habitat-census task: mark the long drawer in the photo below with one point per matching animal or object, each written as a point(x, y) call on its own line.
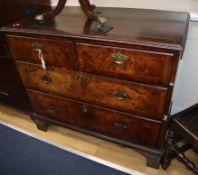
point(131, 97)
point(90, 117)
point(130, 64)
point(54, 52)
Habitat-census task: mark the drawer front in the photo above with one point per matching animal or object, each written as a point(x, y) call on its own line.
point(54, 52)
point(8, 72)
point(136, 98)
point(140, 66)
point(97, 119)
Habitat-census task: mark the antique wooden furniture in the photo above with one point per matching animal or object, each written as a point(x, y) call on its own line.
point(11, 88)
point(183, 125)
point(85, 4)
point(88, 9)
point(115, 85)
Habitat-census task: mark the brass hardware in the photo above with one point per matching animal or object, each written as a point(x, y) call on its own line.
point(4, 93)
point(165, 118)
point(121, 126)
point(46, 78)
point(39, 18)
point(84, 108)
point(171, 84)
point(119, 58)
point(37, 46)
point(55, 108)
point(120, 94)
point(79, 79)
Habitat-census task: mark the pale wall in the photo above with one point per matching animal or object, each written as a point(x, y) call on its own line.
point(186, 89)
point(184, 5)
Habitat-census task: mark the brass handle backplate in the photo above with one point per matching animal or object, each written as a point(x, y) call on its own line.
point(37, 46)
point(121, 126)
point(120, 94)
point(55, 108)
point(46, 78)
point(119, 58)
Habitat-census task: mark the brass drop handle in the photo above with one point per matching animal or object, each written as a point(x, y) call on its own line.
point(55, 108)
point(119, 58)
point(46, 78)
point(79, 79)
point(84, 108)
point(121, 95)
point(4, 93)
point(37, 46)
point(86, 114)
point(121, 126)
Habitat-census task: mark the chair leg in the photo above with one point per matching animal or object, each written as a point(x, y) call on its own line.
point(181, 156)
point(168, 153)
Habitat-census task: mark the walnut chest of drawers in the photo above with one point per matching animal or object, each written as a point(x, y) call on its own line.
point(116, 85)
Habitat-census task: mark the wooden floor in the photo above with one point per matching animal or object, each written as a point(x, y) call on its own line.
point(90, 145)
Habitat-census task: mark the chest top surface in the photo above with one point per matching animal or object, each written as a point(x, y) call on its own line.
point(147, 27)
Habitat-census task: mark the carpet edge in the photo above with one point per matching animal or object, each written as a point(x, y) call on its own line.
point(76, 152)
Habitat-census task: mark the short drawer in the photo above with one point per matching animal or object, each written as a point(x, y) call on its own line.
point(125, 96)
point(54, 52)
point(97, 119)
point(130, 64)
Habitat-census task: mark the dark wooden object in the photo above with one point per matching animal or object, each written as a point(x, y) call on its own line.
point(12, 10)
point(183, 125)
point(99, 26)
point(115, 85)
point(85, 5)
point(88, 9)
point(11, 89)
